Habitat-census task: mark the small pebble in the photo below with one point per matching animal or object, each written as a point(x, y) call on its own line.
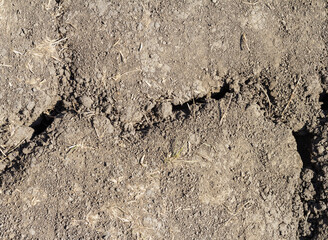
point(86, 101)
point(164, 110)
point(321, 150)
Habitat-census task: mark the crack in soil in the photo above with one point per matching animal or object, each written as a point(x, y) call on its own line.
point(303, 138)
point(202, 100)
point(40, 125)
point(184, 109)
point(45, 119)
point(311, 188)
point(324, 100)
point(304, 146)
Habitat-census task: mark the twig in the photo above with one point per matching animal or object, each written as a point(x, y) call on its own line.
point(3, 153)
point(251, 3)
point(291, 96)
point(17, 52)
point(234, 213)
point(74, 147)
point(58, 41)
point(186, 161)
point(118, 76)
point(174, 157)
point(243, 41)
point(6, 65)
point(116, 43)
point(11, 150)
point(267, 96)
point(226, 111)
point(141, 161)
point(122, 57)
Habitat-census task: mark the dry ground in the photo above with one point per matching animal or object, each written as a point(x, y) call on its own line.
point(195, 119)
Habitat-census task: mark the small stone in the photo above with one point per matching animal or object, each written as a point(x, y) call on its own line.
point(236, 87)
point(307, 175)
point(62, 30)
point(128, 127)
point(321, 150)
point(322, 206)
point(308, 193)
point(86, 101)
point(164, 110)
point(26, 151)
point(137, 116)
point(103, 126)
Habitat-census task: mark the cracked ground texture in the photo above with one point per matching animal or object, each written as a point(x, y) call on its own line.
point(163, 120)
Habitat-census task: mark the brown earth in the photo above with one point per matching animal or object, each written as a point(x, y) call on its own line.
point(163, 120)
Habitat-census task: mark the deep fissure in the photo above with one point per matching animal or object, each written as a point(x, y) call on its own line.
point(202, 100)
point(45, 119)
point(304, 140)
point(40, 126)
point(324, 101)
point(304, 146)
point(184, 108)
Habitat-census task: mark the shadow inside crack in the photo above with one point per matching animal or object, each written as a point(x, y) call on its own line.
point(324, 101)
point(16, 164)
point(185, 107)
point(304, 146)
point(45, 119)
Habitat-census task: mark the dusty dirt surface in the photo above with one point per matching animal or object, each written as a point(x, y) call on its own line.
point(195, 119)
